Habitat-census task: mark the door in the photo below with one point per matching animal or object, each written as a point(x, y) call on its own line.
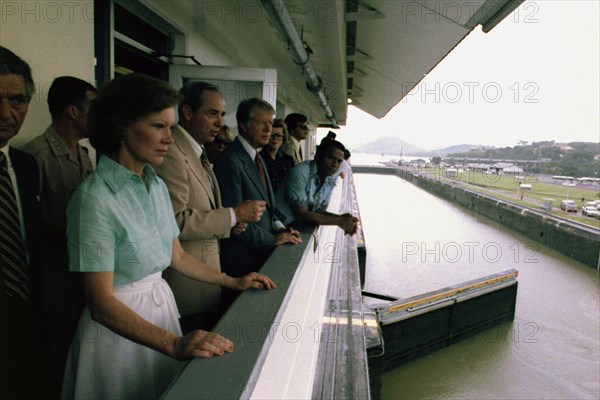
point(236, 84)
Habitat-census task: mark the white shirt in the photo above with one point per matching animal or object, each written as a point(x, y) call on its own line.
point(296, 146)
point(195, 145)
point(252, 152)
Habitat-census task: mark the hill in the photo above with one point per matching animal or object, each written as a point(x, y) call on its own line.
point(393, 146)
point(457, 148)
point(389, 146)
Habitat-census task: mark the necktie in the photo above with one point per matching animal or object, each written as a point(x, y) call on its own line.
point(208, 169)
point(12, 252)
point(261, 170)
point(300, 153)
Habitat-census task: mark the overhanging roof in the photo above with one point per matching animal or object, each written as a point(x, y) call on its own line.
point(399, 42)
point(371, 51)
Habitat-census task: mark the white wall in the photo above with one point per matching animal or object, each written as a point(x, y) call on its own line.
point(194, 44)
point(56, 38)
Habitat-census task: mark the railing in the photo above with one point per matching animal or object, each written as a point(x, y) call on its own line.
point(305, 339)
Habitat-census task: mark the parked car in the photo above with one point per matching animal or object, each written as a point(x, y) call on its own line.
point(590, 211)
point(595, 204)
point(568, 205)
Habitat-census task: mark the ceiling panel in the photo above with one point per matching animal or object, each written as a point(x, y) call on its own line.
point(415, 41)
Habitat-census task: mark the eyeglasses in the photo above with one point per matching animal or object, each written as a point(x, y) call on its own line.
point(277, 135)
point(305, 127)
point(220, 140)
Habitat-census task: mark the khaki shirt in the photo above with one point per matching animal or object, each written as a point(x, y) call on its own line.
point(60, 174)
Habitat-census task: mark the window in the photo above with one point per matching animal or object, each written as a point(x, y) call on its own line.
point(129, 37)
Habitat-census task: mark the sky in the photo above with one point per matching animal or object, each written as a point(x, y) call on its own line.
point(534, 77)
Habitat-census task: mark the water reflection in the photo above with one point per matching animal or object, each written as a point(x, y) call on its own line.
point(417, 242)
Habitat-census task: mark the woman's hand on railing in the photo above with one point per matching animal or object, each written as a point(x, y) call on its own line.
point(201, 344)
point(253, 280)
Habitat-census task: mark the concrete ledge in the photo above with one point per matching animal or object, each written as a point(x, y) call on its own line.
point(249, 323)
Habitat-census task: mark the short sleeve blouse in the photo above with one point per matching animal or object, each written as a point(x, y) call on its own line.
point(117, 222)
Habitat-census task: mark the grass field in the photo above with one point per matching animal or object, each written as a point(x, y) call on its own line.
point(506, 187)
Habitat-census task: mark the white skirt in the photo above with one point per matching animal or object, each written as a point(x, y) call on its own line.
point(104, 365)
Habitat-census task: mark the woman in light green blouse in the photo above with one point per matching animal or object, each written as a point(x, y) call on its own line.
point(122, 234)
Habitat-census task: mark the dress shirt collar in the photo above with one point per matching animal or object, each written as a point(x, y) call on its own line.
point(314, 172)
point(312, 168)
point(5, 151)
point(11, 171)
point(249, 149)
point(198, 149)
point(116, 176)
point(295, 143)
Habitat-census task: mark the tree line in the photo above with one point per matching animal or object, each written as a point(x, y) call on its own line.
point(577, 159)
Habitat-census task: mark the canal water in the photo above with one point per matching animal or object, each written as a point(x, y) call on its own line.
point(417, 242)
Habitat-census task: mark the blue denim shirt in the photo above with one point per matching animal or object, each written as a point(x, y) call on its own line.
point(301, 188)
point(117, 222)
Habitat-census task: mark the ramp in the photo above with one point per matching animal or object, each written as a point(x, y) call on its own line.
point(416, 326)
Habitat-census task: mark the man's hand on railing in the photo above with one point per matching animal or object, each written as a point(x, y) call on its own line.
point(348, 223)
point(289, 235)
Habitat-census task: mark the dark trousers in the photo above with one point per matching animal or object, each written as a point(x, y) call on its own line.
point(204, 321)
point(62, 304)
point(228, 296)
point(22, 361)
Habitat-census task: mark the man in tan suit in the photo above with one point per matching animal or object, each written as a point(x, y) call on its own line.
point(196, 199)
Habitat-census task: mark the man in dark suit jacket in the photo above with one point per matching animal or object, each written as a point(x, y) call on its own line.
point(21, 364)
point(240, 179)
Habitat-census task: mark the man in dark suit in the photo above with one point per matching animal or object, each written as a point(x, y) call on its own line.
point(21, 363)
point(240, 171)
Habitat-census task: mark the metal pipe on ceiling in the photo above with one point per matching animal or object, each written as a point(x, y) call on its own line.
point(281, 18)
point(506, 10)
